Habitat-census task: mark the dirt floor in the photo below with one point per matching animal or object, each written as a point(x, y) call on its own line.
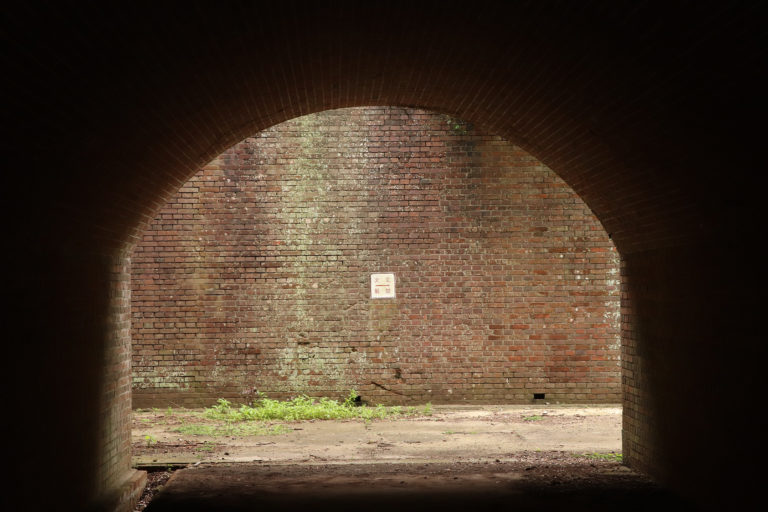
point(451, 433)
point(535, 481)
point(459, 458)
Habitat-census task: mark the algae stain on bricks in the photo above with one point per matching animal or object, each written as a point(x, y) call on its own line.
point(311, 218)
point(257, 274)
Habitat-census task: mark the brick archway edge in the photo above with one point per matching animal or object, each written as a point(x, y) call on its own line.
point(649, 112)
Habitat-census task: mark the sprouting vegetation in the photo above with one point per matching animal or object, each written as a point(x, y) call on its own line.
point(206, 447)
point(306, 408)
point(265, 417)
point(609, 456)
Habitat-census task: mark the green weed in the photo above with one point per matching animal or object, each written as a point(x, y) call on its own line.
point(206, 447)
point(150, 440)
point(609, 456)
point(305, 408)
point(535, 417)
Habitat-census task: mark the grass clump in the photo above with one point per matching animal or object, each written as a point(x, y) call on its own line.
point(206, 447)
point(535, 417)
point(610, 456)
point(306, 408)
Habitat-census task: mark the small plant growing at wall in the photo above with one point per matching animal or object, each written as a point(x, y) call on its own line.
point(150, 440)
point(223, 406)
point(353, 399)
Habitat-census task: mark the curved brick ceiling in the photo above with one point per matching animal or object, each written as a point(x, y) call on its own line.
point(624, 103)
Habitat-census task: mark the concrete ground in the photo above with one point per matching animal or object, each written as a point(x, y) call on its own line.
point(450, 433)
point(459, 458)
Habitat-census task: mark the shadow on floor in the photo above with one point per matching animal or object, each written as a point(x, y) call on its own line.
point(412, 487)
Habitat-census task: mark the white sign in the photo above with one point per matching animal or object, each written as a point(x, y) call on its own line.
point(382, 286)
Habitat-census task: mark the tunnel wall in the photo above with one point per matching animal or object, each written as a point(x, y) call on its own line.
point(256, 274)
point(648, 112)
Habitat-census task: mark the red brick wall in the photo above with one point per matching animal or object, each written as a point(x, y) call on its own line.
point(256, 275)
point(114, 471)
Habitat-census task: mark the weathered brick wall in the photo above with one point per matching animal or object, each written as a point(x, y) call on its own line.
point(256, 275)
point(114, 475)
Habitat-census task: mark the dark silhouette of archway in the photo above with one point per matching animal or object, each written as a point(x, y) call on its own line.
point(648, 111)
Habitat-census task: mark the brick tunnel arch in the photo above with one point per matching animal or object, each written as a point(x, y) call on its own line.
point(646, 112)
point(255, 275)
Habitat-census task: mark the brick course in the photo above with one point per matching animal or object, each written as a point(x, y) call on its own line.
point(255, 275)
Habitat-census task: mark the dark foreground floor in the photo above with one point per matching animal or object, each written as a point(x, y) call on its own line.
point(514, 486)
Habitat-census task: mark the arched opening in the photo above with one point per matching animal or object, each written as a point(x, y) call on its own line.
point(255, 275)
point(255, 279)
point(653, 126)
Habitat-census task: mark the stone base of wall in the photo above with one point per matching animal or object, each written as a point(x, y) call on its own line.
point(146, 400)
